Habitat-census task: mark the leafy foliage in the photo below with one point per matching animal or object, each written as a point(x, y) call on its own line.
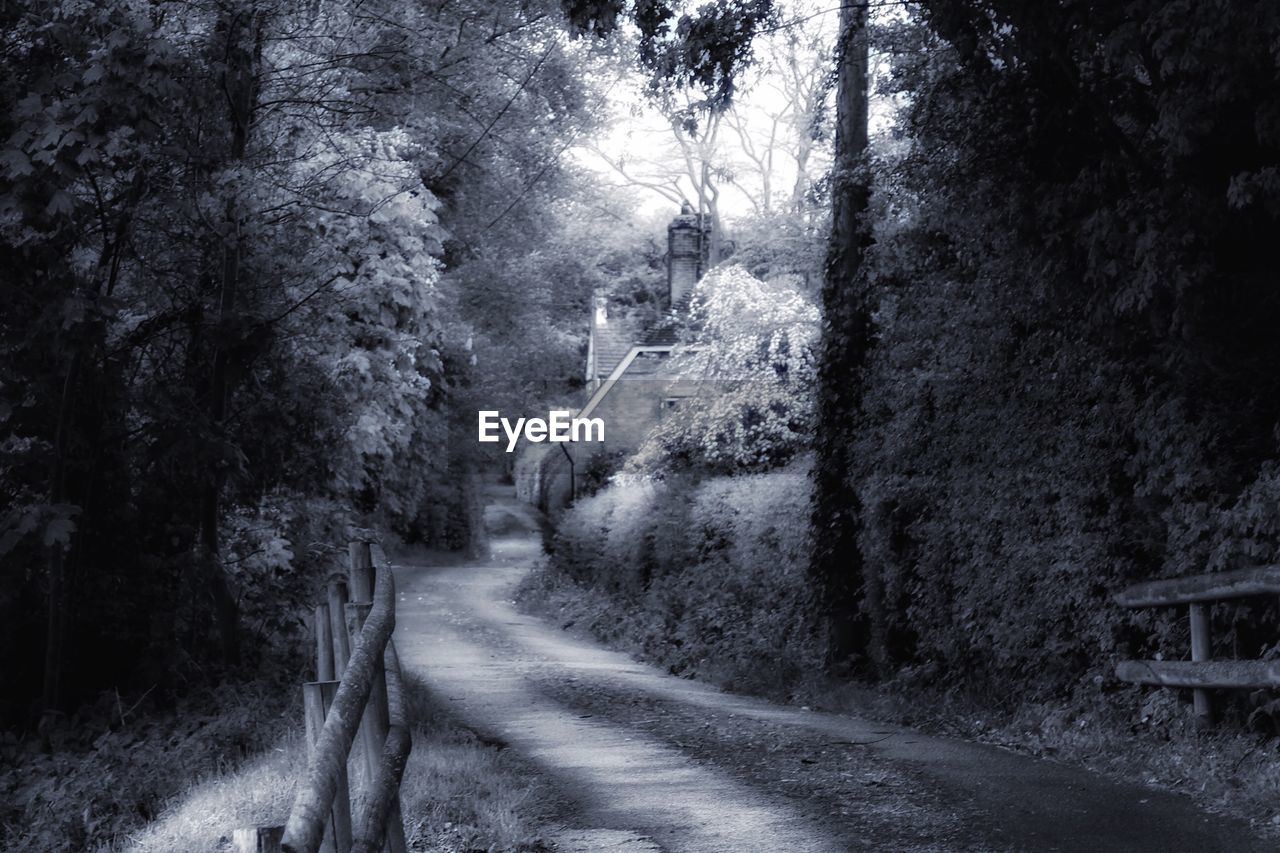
point(230, 225)
point(705, 49)
point(707, 579)
point(128, 758)
point(749, 346)
point(1071, 385)
point(1048, 345)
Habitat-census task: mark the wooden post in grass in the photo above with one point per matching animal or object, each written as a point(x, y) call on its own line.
point(1201, 650)
point(380, 825)
point(395, 751)
point(378, 748)
point(258, 839)
point(317, 697)
point(324, 644)
point(373, 729)
point(338, 627)
point(318, 791)
point(357, 613)
point(371, 734)
point(361, 574)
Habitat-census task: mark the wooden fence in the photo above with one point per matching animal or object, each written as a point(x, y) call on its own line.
point(356, 702)
point(1201, 673)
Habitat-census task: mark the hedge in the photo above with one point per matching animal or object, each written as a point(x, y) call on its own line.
point(709, 578)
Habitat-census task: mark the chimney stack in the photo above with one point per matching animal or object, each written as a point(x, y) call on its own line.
point(601, 301)
point(688, 248)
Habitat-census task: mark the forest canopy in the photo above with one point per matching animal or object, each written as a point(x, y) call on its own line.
point(1013, 294)
point(237, 238)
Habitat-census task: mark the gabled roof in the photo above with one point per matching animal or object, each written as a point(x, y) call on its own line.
point(607, 385)
point(666, 331)
point(612, 343)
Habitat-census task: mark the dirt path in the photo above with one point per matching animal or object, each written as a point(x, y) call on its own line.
point(645, 761)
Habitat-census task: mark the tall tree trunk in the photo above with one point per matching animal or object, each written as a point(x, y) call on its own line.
point(850, 591)
point(59, 600)
point(59, 596)
point(800, 189)
point(241, 28)
point(214, 579)
point(709, 220)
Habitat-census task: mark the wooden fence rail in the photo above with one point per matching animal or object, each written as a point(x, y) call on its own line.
point(1202, 673)
point(356, 704)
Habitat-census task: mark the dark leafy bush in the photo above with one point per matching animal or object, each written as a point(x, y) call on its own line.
point(122, 761)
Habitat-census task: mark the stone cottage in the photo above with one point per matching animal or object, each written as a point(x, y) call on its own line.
point(629, 382)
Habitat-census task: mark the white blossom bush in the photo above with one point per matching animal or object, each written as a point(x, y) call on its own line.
point(749, 347)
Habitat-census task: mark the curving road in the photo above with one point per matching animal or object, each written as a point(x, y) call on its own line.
point(644, 761)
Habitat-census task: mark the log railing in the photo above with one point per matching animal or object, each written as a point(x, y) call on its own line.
point(1201, 673)
point(355, 705)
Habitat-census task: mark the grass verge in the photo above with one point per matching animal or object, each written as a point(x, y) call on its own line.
point(1226, 770)
point(463, 792)
point(118, 772)
point(183, 780)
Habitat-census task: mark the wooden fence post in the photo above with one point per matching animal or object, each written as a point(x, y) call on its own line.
point(373, 730)
point(374, 726)
point(324, 644)
point(258, 839)
point(338, 627)
point(328, 762)
point(363, 568)
point(353, 642)
point(1201, 650)
point(317, 697)
point(361, 574)
point(399, 722)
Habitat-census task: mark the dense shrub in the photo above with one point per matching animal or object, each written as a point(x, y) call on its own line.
point(1072, 385)
point(990, 503)
point(122, 761)
point(999, 548)
point(708, 578)
point(1013, 481)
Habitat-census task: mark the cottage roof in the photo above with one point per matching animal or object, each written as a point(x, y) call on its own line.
point(613, 341)
point(666, 331)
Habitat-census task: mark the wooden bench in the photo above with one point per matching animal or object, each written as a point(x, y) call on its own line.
point(1201, 673)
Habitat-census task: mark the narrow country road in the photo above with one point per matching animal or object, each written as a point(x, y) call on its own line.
point(645, 761)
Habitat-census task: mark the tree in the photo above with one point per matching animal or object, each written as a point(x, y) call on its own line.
point(695, 62)
point(845, 585)
point(784, 119)
point(227, 223)
point(688, 164)
point(1071, 387)
point(769, 143)
point(784, 133)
